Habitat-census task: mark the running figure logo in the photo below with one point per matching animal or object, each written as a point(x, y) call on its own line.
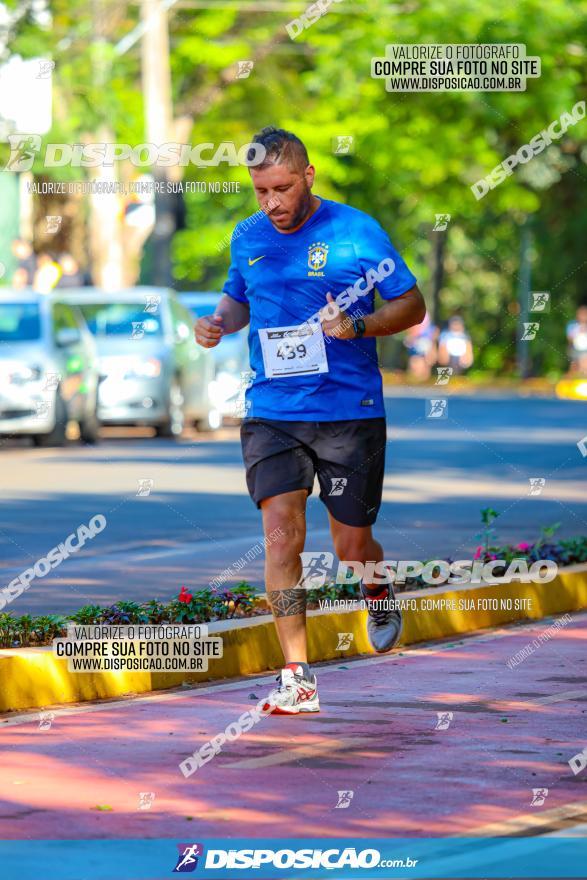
point(444, 719)
point(530, 330)
point(437, 409)
point(22, 151)
point(46, 720)
point(338, 485)
point(540, 301)
point(46, 68)
point(316, 567)
point(344, 800)
point(52, 381)
point(42, 408)
point(442, 221)
point(539, 795)
point(146, 799)
point(53, 223)
point(342, 144)
point(244, 69)
point(344, 641)
point(444, 374)
point(152, 304)
point(188, 857)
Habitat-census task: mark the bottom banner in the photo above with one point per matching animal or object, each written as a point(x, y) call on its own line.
point(269, 859)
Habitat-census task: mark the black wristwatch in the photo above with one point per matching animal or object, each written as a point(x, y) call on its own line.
point(359, 327)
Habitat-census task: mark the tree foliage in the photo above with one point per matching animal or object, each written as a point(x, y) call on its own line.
point(415, 154)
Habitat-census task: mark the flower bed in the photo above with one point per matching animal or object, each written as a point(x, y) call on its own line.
point(207, 605)
point(198, 606)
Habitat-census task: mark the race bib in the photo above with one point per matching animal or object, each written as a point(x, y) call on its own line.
point(293, 351)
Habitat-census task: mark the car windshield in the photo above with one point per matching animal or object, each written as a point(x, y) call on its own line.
point(121, 319)
point(19, 322)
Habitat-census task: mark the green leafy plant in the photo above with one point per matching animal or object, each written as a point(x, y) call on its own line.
point(8, 630)
point(487, 533)
point(86, 615)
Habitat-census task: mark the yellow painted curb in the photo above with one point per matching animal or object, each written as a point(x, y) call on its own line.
point(572, 389)
point(34, 678)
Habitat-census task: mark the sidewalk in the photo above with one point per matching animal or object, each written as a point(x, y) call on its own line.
point(512, 730)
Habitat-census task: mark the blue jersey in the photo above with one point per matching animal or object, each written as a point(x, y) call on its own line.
point(285, 278)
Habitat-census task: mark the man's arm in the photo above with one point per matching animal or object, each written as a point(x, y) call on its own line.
point(394, 316)
point(397, 314)
point(235, 315)
point(230, 316)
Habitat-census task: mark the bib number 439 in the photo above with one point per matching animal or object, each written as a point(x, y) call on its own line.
point(287, 351)
point(293, 351)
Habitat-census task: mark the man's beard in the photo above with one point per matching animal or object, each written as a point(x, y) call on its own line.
point(303, 209)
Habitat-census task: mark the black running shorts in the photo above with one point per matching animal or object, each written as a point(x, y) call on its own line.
point(348, 457)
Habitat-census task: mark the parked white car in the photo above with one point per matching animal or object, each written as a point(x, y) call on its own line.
point(48, 368)
point(152, 371)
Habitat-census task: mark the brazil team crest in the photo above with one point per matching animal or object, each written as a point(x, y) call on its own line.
point(317, 256)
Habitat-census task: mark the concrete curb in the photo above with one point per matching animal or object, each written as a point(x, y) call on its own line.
point(34, 678)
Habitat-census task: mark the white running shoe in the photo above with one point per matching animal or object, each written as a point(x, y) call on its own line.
point(294, 695)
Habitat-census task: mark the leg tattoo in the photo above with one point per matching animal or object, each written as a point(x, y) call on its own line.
point(286, 603)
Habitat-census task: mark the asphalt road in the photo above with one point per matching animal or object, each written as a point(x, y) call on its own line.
point(198, 519)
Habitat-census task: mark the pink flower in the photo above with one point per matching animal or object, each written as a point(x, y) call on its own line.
point(523, 546)
point(478, 553)
point(184, 596)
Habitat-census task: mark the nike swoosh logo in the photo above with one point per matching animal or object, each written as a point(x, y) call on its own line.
point(256, 260)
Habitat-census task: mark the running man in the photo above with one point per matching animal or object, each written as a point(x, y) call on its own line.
point(303, 275)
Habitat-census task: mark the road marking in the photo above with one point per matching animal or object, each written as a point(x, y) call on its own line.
point(555, 818)
point(291, 756)
point(561, 698)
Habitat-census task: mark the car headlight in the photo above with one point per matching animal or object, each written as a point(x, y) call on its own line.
point(120, 367)
point(20, 374)
point(144, 369)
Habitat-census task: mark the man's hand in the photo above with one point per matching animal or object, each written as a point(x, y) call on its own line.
point(335, 321)
point(209, 330)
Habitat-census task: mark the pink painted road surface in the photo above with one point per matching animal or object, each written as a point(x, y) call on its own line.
point(512, 730)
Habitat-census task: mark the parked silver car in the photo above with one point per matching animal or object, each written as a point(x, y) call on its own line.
point(231, 356)
point(48, 368)
point(152, 372)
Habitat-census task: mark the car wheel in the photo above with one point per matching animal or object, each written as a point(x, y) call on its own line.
point(56, 436)
point(174, 423)
point(89, 429)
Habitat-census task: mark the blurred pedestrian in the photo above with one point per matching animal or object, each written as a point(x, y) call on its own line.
point(48, 273)
point(20, 278)
point(455, 348)
point(26, 260)
point(421, 344)
point(71, 275)
point(577, 338)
